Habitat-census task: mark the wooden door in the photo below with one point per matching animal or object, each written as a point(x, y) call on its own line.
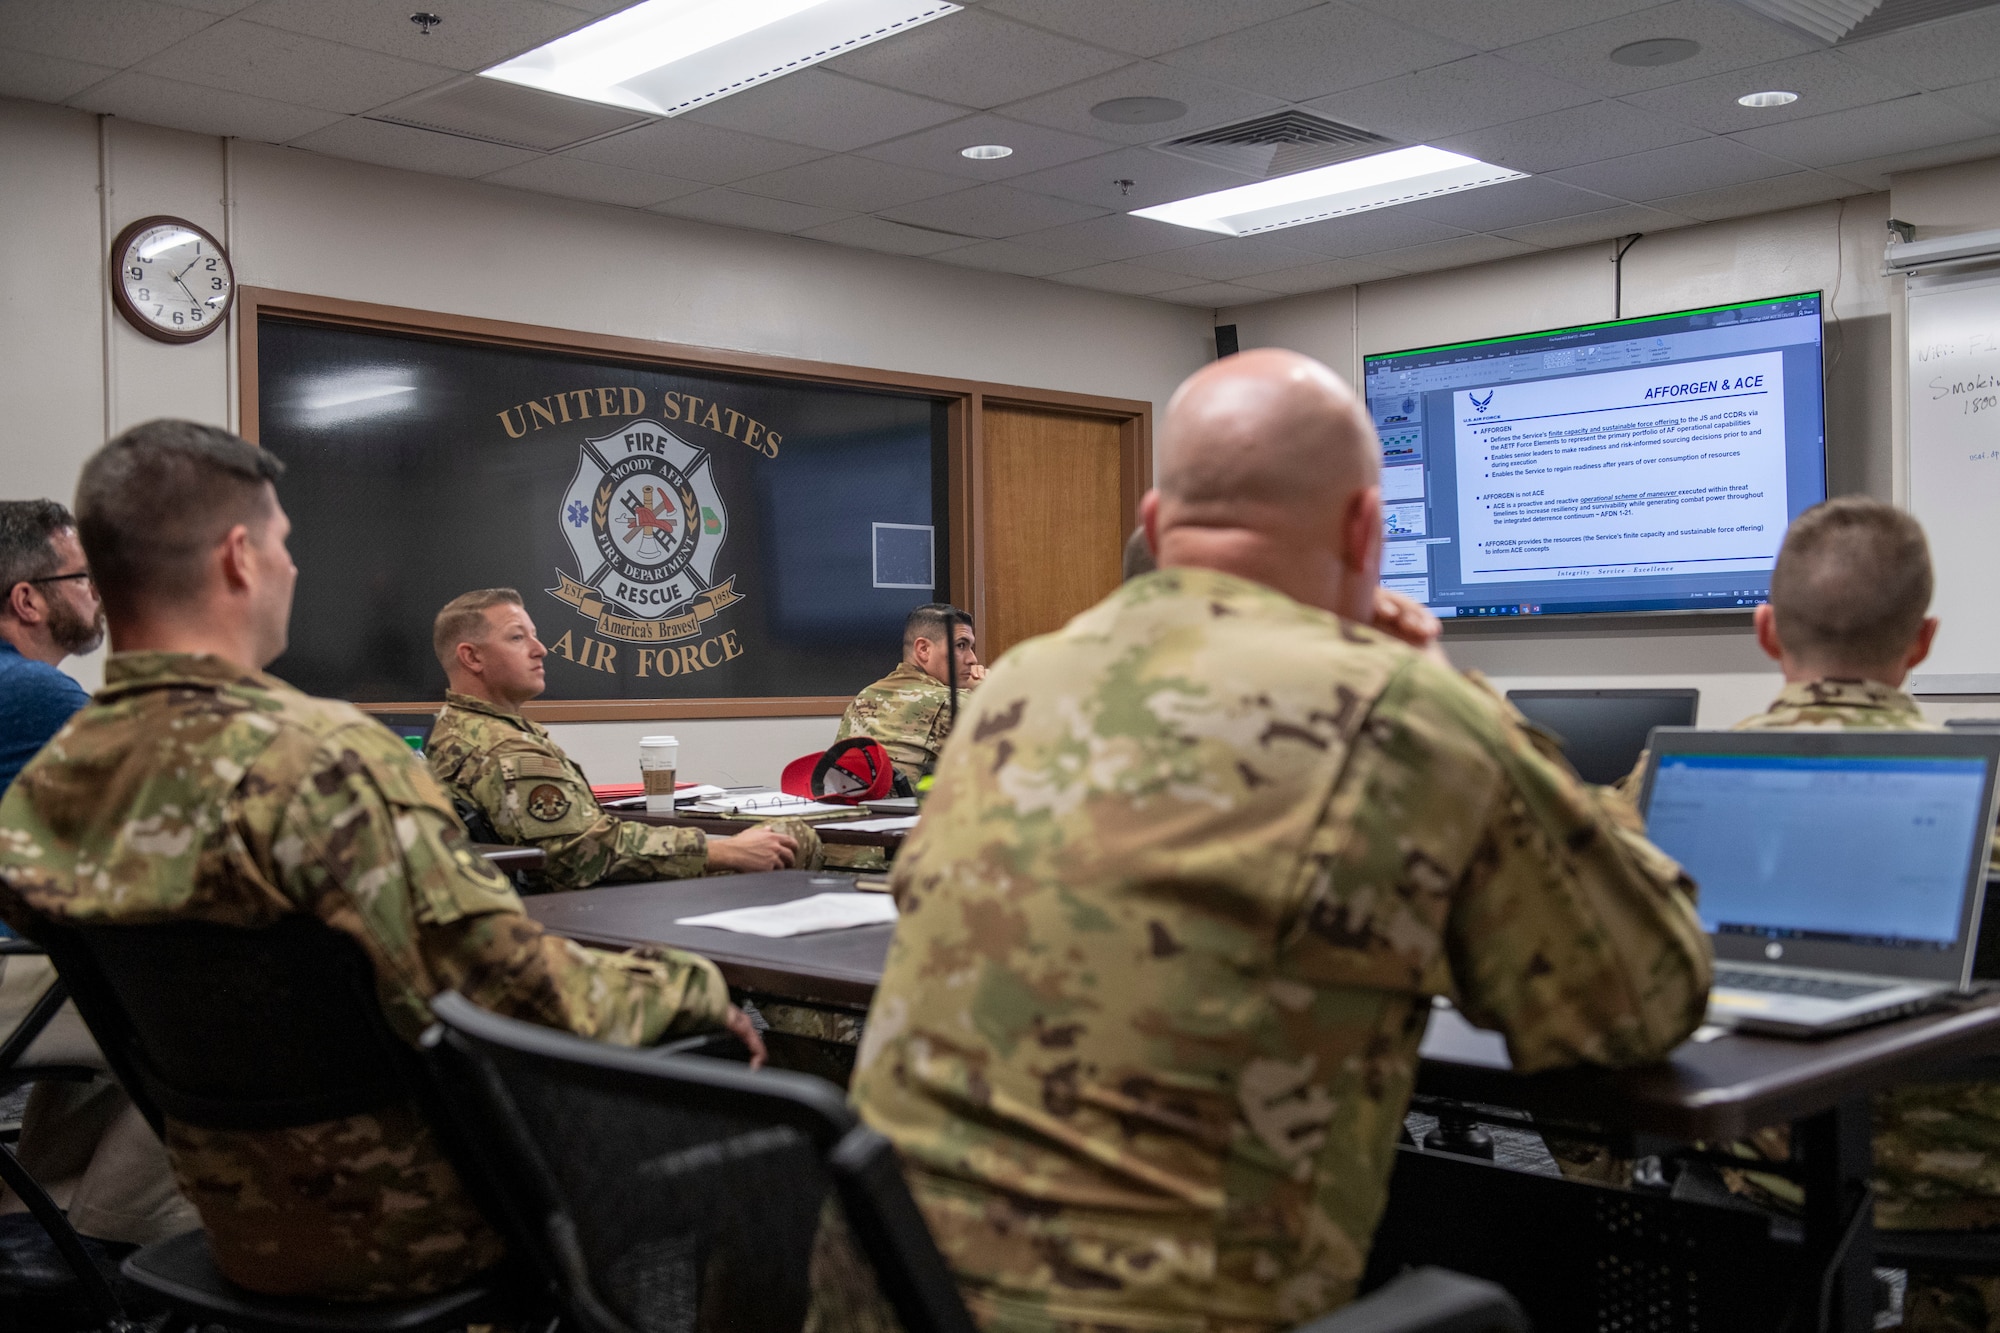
point(1059, 492)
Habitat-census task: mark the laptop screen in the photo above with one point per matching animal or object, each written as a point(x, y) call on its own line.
point(1857, 849)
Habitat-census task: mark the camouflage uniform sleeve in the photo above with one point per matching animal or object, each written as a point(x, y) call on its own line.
point(370, 841)
point(535, 798)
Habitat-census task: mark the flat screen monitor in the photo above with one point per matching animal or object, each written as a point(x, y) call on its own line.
point(1641, 465)
point(1603, 731)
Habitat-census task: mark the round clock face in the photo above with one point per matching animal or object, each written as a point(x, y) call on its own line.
point(171, 280)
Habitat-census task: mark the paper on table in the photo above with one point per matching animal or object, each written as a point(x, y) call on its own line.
point(881, 825)
point(771, 805)
point(801, 916)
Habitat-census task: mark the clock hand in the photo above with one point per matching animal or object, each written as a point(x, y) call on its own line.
point(184, 287)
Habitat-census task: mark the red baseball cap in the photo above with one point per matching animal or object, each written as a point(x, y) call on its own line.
point(850, 772)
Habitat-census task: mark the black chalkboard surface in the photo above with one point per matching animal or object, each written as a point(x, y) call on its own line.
point(674, 533)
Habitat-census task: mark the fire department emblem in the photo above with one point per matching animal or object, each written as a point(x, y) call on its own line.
point(646, 524)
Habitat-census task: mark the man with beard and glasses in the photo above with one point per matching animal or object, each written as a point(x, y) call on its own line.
point(50, 612)
point(85, 1143)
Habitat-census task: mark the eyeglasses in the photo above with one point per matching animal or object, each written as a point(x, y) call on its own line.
point(58, 578)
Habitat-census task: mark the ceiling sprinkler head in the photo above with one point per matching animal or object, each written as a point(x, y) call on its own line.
point(425, 21)
point(1124, 186)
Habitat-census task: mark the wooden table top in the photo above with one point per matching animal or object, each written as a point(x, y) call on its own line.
point(1719, 1089)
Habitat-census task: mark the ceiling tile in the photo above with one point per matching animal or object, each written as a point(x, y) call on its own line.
point(410, 149)
point(1705, 164)
point(1571, 138)
point(1959, 50)
point(1215, 295)
point(1233, 257)
point(732, 208)
point(1318, 277)
point(36, 78)
point(878, 234)
point(1156, 178)
point(216, 7)
point(1981, 99)
point(1012, 257)
point(1454, 253)
point(102, 32)
point(1731, 37)
point(1209, 104)
point(694, 151)
point(182, 106)
point(825, 110)
point(1146, 27)
point(291, 67)
point(1765, 196)
point(993, 211)
point(1920, 121)
point(1601, 225)
point(1467, 94)
point(474, 34)
point(508, 113)
point(1036, 148)
point(851, 184)
point(1131, 279)
point(1825, 81)
point(1318, 51)
point(1489, 26)
point(976, 59)
point(1509, 204)
point(574, 178)
point(1117, 236)
point(1361, 233)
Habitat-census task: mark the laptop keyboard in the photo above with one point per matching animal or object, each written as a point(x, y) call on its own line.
point(1818, 988)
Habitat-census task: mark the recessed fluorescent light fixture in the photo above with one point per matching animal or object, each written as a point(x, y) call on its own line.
point(665, 57)
point(986, 152)
point(1773, 98)
point(1380, 181)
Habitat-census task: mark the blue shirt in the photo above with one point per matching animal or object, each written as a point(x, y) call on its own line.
point(35, 700)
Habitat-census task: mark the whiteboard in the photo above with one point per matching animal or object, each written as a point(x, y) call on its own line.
point(1954, 431)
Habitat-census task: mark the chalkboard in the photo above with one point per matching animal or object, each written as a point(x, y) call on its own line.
point(1954, 432)
point(675, 533)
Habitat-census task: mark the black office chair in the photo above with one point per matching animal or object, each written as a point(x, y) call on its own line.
point(229, 1028)
point(666, 1190)
point(90, 1293)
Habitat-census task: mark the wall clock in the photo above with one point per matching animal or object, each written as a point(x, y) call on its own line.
point(171, 279)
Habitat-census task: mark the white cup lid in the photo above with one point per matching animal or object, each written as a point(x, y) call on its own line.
point(658, 740)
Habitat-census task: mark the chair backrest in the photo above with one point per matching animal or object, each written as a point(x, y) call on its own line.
point(227, 1027)
point(668, 1192)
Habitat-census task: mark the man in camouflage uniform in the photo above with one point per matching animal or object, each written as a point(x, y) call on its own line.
point(1194, 868)
point(196, 787)
point(909, 711)
point(1846, 623)
point(509, 768)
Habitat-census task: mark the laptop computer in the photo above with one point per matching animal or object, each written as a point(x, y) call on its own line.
point(1602, 731)
point(1842, 873)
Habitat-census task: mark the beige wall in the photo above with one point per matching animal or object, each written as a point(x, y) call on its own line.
point(300, 222)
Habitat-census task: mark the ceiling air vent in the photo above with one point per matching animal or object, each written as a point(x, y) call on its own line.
point(1842, 21)
point(1279, 145)
point(506, 113)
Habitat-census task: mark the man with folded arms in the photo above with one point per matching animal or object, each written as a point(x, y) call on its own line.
point(509, 768)
point(197, 787)
point(1193, 869)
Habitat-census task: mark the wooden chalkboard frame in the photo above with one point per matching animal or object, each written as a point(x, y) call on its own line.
point(964, 400)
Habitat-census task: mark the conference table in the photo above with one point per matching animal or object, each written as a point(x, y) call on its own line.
point(814, 991)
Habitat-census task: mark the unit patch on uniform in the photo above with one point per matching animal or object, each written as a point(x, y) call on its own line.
point(548, 803)
point(645, 522)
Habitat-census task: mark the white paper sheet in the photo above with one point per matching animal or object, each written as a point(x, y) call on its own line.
point(769, 805)
point(802, 916)
point(889, 825)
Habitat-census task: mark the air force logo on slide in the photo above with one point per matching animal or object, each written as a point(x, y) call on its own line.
point(646, 523)
point(1481, 404)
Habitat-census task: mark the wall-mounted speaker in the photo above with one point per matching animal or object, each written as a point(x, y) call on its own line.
point(1225, 341)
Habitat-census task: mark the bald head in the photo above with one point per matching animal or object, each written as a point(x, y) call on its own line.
point(1269, 469)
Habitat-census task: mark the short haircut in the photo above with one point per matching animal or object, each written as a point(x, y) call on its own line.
point(935, 621)
point(463, 620)
point(1852, 584)
point(1138, 556)
point(156, 500)
point(27, 541)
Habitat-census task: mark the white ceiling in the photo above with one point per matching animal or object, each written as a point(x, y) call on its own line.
point(862, 151)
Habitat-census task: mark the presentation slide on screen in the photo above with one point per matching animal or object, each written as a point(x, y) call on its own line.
point(1662, 470)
